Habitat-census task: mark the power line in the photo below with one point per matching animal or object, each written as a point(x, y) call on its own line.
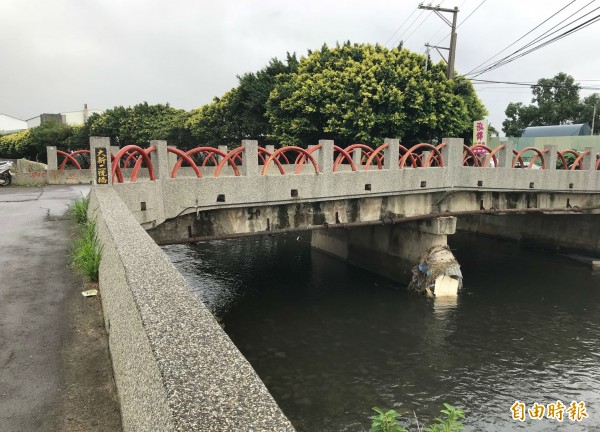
point(544, 36)
point(417, 27)
point(510, 59)
point(463, 21)
point(529, 32)
point(401, 25)
point(442, 26)
point(399, 38)
point(530, 84)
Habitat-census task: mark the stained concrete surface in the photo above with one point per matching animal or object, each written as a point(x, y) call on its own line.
point(47, 331)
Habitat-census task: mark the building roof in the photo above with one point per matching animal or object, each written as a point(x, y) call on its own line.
point(558, 130)
point(6, 115)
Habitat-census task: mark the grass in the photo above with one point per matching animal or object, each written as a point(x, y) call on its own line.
point(79, 209)
point(85, 252)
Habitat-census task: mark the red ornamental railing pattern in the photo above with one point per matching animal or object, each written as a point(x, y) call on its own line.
point(422, 155)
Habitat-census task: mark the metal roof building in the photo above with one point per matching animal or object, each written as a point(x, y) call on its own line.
point(557, 131)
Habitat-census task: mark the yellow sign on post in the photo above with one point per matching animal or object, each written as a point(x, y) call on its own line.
point(101, 166)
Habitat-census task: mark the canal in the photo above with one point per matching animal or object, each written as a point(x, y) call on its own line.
point(330, 341)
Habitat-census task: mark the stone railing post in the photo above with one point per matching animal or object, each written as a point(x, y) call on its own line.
point(357, 158)
point(391, 153)
point(223, 148)
point(589, 160)
point(52, 158)
point(325, 157)
point(452, 152)
point(250, 158)
point(114, 150)
point(172, 158)
point(160, 159)
point(270, 148)
point(505, 155)
point(101, 165)
point(550, 156)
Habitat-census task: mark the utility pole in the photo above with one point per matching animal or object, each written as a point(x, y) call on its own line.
point(426, 56)
point(452, 54)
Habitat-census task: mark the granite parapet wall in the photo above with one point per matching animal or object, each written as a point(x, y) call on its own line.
point(175, 368)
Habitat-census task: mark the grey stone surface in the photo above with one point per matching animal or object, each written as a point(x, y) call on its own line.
point(104, 143)
point(174, 366)
point(51, 157)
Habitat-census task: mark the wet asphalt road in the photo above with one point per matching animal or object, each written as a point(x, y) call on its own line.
point(34, 282)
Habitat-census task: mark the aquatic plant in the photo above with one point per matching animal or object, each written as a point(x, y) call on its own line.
point(388, 421)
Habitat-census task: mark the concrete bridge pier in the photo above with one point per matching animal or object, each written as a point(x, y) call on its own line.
point(388, 250)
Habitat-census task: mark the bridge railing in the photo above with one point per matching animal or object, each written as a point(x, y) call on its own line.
point(160, 160)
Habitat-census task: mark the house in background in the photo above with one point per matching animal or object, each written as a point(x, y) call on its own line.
point(43, 118)
point(9, 124)
point(71, 118)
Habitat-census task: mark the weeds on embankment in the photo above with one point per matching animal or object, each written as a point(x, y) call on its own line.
point(388, 421)
point(78, 211)
point(85, 252)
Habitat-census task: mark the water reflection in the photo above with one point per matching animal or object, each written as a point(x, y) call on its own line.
point(330, 341)
point(443, 306)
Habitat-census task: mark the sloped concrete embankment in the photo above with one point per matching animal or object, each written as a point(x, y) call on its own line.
point(175, 368)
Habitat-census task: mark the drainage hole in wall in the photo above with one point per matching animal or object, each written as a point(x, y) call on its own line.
point(368, 187)
point(531, 185)
point(423, 184)
point(143, 205)
point(294, 193)
point(479, 183)
point(221, 198)
point(570, 185)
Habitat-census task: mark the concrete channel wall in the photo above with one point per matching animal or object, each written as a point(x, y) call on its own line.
point(175, 368)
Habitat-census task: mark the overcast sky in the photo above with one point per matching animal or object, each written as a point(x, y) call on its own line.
point(57, 55)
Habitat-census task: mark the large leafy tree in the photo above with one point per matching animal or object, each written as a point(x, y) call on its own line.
point(555, 101)
point(363, 93)
point(140, 124)
point(241, 112)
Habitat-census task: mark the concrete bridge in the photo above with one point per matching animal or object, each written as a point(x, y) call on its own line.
point(378, 209)
point(175, 368)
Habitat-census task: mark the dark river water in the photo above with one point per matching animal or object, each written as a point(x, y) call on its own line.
point(330, 341)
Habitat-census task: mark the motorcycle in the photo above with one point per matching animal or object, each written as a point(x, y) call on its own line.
point(5, 176)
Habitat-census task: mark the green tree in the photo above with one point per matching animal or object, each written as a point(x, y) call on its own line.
point(49, 133)
point(14, 145)
point(363, 93)
point(586, 111)
point(140, 124)
point(555, 101)
point(518, 117)
point(241, 112)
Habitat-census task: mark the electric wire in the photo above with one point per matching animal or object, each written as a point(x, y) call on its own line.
point(518, 53)
point(463, 21)
point(417, 27)
point(530, 84)
point(401, 25)
point(510, 59)
point(444, 24)
point(525, 35)
point(399, 38)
